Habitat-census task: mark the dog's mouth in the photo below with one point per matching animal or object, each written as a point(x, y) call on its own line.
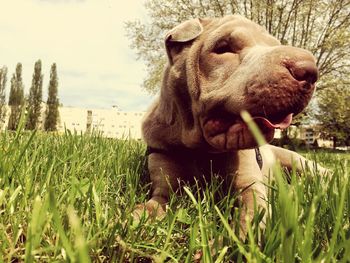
point(281, 123)
point(229, 132)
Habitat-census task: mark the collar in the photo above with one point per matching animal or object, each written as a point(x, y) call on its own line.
point(258, 155)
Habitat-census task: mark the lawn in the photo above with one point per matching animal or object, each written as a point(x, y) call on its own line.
point(70, 198)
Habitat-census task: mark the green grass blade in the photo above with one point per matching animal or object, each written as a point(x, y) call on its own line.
point(233, 236)
point(80, 243)
point(59, 228)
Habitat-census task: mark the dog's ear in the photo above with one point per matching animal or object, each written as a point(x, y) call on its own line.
point(180, 35)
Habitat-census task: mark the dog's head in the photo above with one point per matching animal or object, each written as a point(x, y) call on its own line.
point(218, 68)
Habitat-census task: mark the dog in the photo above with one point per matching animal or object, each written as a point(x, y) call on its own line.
point(216, 69)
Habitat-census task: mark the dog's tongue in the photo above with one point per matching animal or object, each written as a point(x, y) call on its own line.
point(285, 123)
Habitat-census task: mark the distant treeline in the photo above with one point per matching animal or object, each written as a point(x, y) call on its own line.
point(31, 105)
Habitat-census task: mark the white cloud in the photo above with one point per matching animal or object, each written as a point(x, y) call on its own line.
point(87, 41)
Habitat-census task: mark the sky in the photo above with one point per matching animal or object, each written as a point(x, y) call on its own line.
point(86, 39)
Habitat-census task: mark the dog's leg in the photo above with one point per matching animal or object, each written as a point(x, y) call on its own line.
point(248, 179)
point(166, 171)
point(289, 159)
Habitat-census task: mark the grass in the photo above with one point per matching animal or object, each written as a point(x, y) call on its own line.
point(70, 198)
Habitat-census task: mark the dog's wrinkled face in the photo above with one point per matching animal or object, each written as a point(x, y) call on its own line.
point(232, 64)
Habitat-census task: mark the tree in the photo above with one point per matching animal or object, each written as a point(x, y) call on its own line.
point(334, 112)
point(16, 98)
point(294, 22)
point(3, 81)
point(52, 113)
point(35, 98)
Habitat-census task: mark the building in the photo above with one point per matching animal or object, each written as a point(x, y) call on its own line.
point(311, 134)
point(111, 123)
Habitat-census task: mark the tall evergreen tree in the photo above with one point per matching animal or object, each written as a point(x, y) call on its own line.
point(16, 98)
point(3, 80)
point(35, 98)
point(52, 113)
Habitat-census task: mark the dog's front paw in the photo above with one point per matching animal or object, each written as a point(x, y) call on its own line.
point(324, 171)
point(151, 209)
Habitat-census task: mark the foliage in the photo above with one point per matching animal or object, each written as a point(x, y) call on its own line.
point(296, 23)
point(334, 112)
point(68, 197)
point(35, 98)
point(3, 81)
point(16, 98)
point(52, 113)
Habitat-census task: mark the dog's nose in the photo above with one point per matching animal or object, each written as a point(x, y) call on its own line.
point(304, 71)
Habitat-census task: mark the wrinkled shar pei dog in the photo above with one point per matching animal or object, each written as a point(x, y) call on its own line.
point(216, 69)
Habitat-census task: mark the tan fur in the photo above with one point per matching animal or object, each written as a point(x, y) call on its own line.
point(195, 124)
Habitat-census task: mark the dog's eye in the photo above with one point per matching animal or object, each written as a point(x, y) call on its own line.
point(223, 47)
